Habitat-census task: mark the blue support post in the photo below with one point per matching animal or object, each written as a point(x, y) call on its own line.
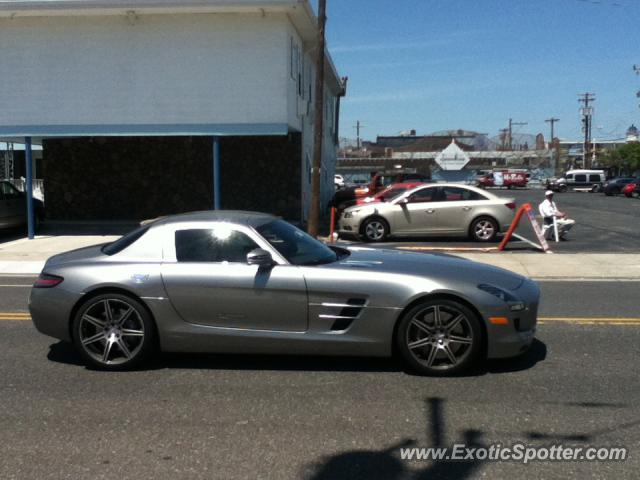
point(29, 188)
point(216, 173)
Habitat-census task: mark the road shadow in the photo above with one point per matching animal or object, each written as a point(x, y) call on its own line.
point(387, 463)
point(64, 352)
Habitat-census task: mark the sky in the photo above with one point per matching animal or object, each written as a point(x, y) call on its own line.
point(433, 65)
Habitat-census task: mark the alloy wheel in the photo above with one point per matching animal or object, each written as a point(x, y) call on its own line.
point(440, 337)
point(484, 230)
point(111, 331)
point(374, 230)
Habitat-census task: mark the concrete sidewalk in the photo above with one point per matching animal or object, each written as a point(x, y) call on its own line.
point(27, 257)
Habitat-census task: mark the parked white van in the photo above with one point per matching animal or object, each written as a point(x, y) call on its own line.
point(580, 178)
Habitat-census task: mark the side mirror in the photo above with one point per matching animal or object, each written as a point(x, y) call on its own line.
point(259, 257)
point(403, 201)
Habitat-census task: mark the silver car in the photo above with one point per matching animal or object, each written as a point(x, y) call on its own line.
point(252, 283)
point(433, 210)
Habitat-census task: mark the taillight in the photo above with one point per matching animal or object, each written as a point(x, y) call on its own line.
point(46, 280)
point(510, 205)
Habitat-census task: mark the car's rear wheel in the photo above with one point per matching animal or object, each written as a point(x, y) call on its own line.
point(375, 229)
point(113, 332)
point(439, 337)
point(484, 229)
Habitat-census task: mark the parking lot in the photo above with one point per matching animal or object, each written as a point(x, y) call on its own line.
point(603, 224)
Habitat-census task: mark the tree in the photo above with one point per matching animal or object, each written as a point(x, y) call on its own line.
point(626, 157)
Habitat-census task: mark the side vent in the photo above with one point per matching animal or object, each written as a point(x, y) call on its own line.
point(343, 314)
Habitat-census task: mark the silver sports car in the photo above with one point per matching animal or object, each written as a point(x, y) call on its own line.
point(437, 210)
point(250, 282)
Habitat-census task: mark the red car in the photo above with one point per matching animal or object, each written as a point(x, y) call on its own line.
point(631, 190)
point(388, 193)
point(509, 179)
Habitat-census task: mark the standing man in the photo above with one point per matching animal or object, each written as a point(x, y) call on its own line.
point(549, 211)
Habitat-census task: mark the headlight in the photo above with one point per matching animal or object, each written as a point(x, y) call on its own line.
point(515, 305)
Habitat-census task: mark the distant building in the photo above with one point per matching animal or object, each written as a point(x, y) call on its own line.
point(418, 153)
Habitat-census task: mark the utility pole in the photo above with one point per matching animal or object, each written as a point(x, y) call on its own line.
point(358, 126)
point(587, 112)
point(504, 132)
point(636, 68)
point(511, 125)
point(552, 121)
point(314, 214)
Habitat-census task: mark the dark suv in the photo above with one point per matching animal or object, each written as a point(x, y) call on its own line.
point(615, 185)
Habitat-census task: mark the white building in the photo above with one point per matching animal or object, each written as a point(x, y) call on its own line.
point(93, 79)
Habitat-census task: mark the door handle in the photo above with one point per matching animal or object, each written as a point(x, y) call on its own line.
point(431, 210)
point(466, 209)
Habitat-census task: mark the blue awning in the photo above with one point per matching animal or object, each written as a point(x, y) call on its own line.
point(143, 130)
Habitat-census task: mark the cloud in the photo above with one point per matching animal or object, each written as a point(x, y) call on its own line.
point(416, 44)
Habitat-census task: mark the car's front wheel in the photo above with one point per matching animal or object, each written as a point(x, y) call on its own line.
point(439, 337)
point(484, 229)
point(375, 229)
point(113, 332)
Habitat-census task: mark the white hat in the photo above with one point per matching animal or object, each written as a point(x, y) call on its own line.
point(547, 193)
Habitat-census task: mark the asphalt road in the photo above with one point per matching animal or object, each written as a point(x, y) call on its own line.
point(232, 416)
point(603, 224)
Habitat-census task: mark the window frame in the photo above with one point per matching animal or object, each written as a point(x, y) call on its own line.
point(169, 244)
point(409, 194)
point(471, 192)
point(218, 250)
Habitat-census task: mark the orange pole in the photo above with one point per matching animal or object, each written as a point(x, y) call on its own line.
point(513, 226)
point(333, 224)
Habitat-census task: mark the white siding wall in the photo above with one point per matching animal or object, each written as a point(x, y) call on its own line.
point(329, 147)
point(162, 69)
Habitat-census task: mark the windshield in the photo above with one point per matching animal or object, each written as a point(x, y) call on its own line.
point(295, 245)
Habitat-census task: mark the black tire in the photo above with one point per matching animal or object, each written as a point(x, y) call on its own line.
point(428, 349)
point(562, 188)
point(375, 229)
point(97, 336)
point(483, 229)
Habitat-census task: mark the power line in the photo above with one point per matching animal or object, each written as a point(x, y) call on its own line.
point(552, 121)
point(511, 124)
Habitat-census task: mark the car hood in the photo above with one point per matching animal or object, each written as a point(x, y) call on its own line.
point(432, 265)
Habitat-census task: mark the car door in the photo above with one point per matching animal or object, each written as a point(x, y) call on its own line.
point(417, 213)
point(12, 206)
point(209, 282)
point(457, 208)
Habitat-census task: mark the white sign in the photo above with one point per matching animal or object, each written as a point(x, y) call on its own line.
point(452, 157)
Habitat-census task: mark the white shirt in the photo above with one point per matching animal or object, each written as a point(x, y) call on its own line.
point(548, 208)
